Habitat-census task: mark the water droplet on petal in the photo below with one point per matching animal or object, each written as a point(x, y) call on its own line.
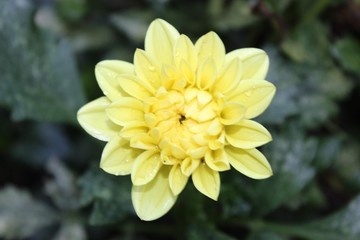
point(248, 93)
point(151, 68)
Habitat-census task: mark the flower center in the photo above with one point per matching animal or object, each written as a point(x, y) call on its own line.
point(184, 124)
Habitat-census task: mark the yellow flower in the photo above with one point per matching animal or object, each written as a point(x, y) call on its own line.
point(179, 111)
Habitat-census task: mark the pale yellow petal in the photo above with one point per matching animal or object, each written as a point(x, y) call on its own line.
point(249, 162)
point(153, 200)
point(210, 45)
point(247, 134)
point(256, 95)
point(160, 40)
point(146, 167)
point(228, 78)
point(133, 128)
point(147, 69)
point(171, 78)
point(206, 74)
point(232, 113)
point(134, 87)
point(255, 62)
point(197, 153)
point(188, 72)
point(93, 119)
point(142, 141)
point(184, 50)
point(217, 160)
point(125, 110)
point(207, 181)
point(118, 157)
point(177, 180)
point(107, 73)
point(215, 127)
point(188, 166)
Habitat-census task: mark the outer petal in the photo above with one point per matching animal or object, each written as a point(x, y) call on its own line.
point(133, 128)
point(247, 134)
point(177, 180)
point(255, 62)
point(134, 87)
point(207, 181)
point(250, 162)
point(229, 77)
point(126, 110)
point(206, 74)
point(159, 41)
point(147, 69)
point(93, 119)
point(210, 45)
point(106, 73)
point(118, 157)
point(256, 95)
point(146, 167)
point(184, 50)
point(153, 200)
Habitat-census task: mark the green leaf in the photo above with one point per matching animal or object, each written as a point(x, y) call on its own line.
point(231, 199)
point(347, 163)
point(72, 10)
point(306, 91)
point(283, 74)
point(347, 52)
point(344, 224)
point(265, 235)
point(39, 76)
point(299, 45)
point(205, 232)
point(291, 163)
point(327, 151)
point(111, 196)
point(237, 15)
point(21, 215)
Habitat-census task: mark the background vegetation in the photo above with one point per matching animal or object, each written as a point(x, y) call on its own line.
point(50, 184)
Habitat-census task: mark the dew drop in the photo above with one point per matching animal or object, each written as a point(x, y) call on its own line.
point(248, 93)
point(151, 68)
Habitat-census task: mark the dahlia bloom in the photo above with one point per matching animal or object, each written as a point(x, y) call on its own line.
point(179, 111)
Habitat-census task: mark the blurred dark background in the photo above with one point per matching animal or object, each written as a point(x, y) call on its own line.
point(50, 184)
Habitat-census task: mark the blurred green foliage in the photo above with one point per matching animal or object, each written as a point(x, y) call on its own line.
point(51, 186)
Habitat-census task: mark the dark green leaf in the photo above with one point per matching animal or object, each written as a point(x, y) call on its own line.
point(39, 77)
point(237, 15)
point(299, 45)
point(347, 163)
point(290, 156)
point(265, 235)
point(306, 91)
point(347, 51)
point(327, 152)
point(72, 10)
point(344, 224)
point(205, 232)
point(111, 196)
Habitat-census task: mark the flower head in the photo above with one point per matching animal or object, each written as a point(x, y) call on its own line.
point(179, 111)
